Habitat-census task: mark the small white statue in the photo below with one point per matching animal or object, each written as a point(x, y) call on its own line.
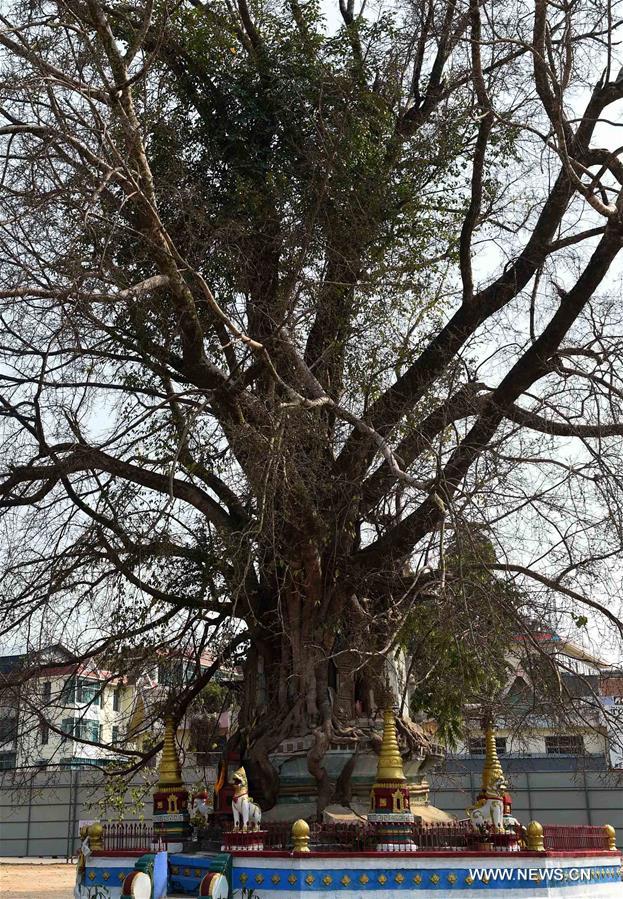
point(242, 805)
point(490, 809)
point(200, 807)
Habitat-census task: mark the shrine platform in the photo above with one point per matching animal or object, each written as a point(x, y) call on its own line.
point(583, 875)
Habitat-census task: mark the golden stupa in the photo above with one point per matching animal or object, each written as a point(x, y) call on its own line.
point(389, 767)
point(170, 774)
point(493, 779)
point(171, 820)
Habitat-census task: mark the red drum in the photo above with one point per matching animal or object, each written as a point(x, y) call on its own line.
point(214, 885)
point(137, 885)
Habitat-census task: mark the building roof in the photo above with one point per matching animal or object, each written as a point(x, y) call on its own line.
point(561, 646)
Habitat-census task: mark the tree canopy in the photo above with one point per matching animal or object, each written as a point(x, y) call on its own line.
point(285, 304)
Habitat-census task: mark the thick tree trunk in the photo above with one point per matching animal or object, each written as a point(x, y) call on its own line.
point(286, 680)
point(306, 635)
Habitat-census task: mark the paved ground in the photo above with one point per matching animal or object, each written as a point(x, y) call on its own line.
point(40, 881)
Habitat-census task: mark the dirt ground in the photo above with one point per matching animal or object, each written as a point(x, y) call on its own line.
point(37, 881)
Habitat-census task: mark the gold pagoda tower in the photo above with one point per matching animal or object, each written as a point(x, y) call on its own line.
point(389, 797)
point(171, 816)
point(493, 780)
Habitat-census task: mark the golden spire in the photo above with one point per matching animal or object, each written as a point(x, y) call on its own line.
point(492, 770)
point(389, 766)
point(170, 772)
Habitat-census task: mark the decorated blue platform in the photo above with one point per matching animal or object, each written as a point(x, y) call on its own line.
point(186, 871)
point(538, 875)
point(104, 875)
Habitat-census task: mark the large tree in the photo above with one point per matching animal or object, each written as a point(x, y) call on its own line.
point(286, 303)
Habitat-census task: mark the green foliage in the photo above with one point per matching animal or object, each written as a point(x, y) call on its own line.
point(121, 800)
point(268, 158)
point(212, 698)
point(460, 645)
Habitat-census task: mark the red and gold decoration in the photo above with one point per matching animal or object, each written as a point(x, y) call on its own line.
point(171, 815)
point(389, 797)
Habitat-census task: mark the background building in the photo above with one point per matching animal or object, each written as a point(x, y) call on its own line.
point(57, 716)
point(53, 718)
point(563, 765)
point(577, 727)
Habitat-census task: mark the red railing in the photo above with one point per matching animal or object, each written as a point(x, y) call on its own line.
point(365, 837)
point(134, 837)
point(459, 836)
point(331, 837)
point(570, 838)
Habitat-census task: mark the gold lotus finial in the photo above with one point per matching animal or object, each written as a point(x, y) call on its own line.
point(300, 836)
point(492, 773)
point(389, 766)
point(170, 771)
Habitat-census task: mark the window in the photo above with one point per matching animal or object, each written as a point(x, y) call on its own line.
point(478, 746)
point(67, 726)
point(46, 692)
point(8, 729)
point(77, 762)
point(570, 744)
point(45, 733)
point(170, 673)
point(88, 692)
point(7, 761)
point(68, 693)
point(88, 730)
point(81, 729)
point(116, 699)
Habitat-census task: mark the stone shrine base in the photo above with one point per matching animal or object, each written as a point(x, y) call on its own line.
point(529, 875)
point(581, 874)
